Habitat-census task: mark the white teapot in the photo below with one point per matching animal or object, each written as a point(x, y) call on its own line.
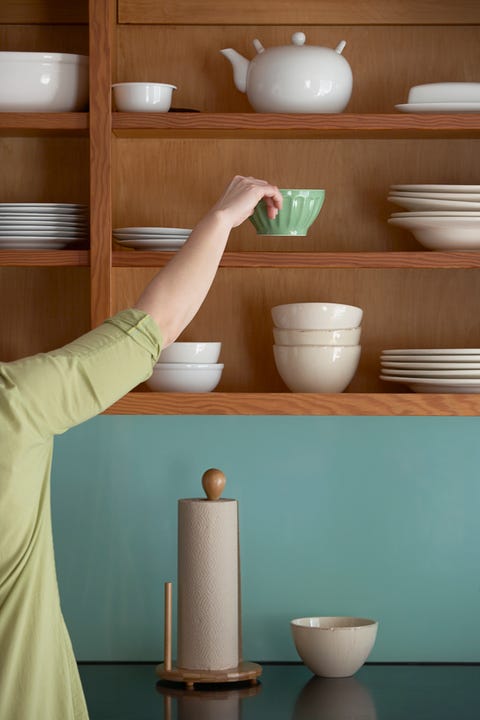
point(294, 78)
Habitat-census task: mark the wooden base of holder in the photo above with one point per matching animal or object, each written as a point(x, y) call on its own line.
point(246, 671)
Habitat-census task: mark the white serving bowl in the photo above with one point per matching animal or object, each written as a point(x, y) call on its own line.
point(191, 352)
point(347, 336)
point(317, 368)
point(443, 92)
point(143, 96)
point(316, 316)
point(443, 233)
point(185, 377)
point(43, 82)
point(334, 646)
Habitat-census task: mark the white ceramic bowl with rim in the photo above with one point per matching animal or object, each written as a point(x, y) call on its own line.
point(348, 336)
point(442, 233)
point(190, 352)
point(185, 377)
point(334, 646)
point(316, 316)
point(444, 92)
point(43, 82)
point(317, 368)
point(143, 96)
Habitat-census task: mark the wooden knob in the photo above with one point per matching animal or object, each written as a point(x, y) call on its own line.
point(213, 482)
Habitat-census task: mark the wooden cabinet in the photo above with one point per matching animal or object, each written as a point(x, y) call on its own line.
point(167, 169)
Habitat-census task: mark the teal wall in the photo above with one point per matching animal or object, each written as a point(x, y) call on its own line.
point(377, 517)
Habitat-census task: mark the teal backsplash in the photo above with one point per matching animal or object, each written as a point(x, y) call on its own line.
point(376, 517)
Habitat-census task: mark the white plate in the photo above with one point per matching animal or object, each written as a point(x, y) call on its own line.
point(171, 242)
point(42, 207)
point(33, 244)
point(153, 245)
point(30, 232)
point(431, 385)
point(443, 233)
point(440, 374)
point(462, 197)
point(411, 203)
point(437, 188)
point(439, 107)
point(122, 237)
point(22, 227)
point(146, 231)
point(432, 351)
point(392, 365)
point(436, 213)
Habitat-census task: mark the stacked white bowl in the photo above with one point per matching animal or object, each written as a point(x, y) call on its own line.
point(187, 367)
point(317, 345)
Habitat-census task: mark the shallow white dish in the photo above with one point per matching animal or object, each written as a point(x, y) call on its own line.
point(43, 82)
point(316, 316)
point(160, 244)
point(185, 377)
point(146, 231)
point(439, 107)
point(436, 213)
point(445, 92)
point(334, 647)
point(143, 96)
point(460, 233)
point(41, 208)
point(431, 385)
point(432, 351)
point(462, 197)
point(412, 203)
point(437, 188)
point(191, 352)
point(441, 374)
point(34, 244)
point(440, 365)
point(36, 234)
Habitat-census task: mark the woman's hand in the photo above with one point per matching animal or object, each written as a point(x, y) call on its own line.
point(242, 195)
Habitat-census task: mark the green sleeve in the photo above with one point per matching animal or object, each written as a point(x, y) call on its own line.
point(51, 392)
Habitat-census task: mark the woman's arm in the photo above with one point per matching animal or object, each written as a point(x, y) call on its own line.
point(176, 293)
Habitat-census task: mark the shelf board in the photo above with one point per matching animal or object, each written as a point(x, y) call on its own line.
point(217, 403)
point(17, 123)
point(286, 125)
point(44, 258)
point(427, 259)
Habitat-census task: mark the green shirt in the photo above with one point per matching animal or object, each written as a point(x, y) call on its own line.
point(42, 396)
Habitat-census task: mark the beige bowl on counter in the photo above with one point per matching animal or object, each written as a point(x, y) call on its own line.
point(334, 646)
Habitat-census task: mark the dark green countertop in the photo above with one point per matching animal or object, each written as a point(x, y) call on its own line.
point(289, 692)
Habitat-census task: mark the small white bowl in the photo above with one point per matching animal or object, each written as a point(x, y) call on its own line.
point(143, 97)
point(350, 336)
point(185, 377)
point(43, 82)
point(316, 316)
point(444, 92)
point(334, 646)
point(316, 368)
point(191, 352)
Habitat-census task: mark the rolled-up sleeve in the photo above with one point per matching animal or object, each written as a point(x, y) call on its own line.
point(56, 390)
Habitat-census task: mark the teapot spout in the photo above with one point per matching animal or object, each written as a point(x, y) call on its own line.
point(240, 68)
point(340, 47)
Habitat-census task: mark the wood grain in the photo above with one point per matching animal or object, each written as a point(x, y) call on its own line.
point(306, 13)
point(43, 123)
point(44, 258)
point(43, 11)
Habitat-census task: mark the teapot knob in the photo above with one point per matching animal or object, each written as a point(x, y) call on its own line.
point(298, 38)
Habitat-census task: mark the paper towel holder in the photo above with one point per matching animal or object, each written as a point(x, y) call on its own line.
point(213, 483)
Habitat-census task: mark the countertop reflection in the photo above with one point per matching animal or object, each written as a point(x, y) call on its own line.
point(289, 692)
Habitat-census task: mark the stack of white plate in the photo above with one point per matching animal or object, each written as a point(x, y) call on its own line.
point(443, 97)
point(441, 217)
point(42, 226)
point(151, 238)
point(436, 370)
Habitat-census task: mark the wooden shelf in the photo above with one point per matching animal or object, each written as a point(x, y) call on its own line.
point(44, 258)
point(15, 123)
point(281, 125)
point(422, 260)
point(217, 403)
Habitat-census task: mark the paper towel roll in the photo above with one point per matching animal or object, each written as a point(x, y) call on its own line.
point(208, 586)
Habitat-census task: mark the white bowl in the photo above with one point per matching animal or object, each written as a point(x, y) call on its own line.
point(348, 336)
point(443, 233)
point(316, 316)
point(143, 97)
point(444, 92)
point(334, 646)
point(185, 377)
point(43, 82)
point(317, 368)
point(190, 352)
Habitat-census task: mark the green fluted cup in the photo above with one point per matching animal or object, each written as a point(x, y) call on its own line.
point(300, 209)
